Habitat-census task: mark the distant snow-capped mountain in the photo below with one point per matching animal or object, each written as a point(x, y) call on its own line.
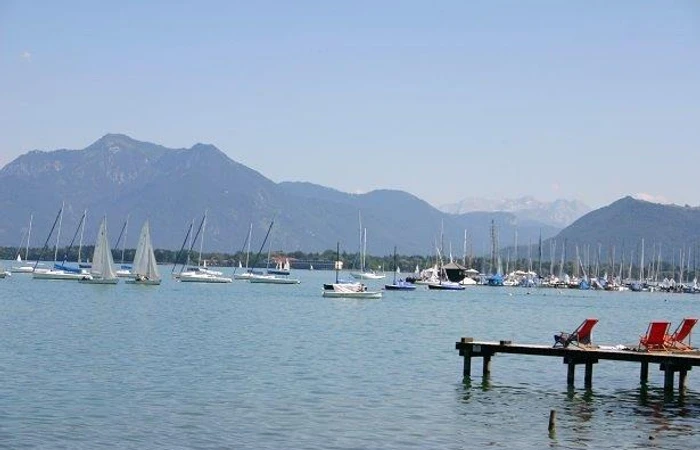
point(559, 213)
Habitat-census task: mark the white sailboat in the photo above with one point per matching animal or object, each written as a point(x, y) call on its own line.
point(124, 270)
point(246, 273)
point(270, 277)
point(145, 266)
point(24, 268)
point(102, 270)
point(346, 290)
point(59, 271)
point(365, 274)
point(202, 274)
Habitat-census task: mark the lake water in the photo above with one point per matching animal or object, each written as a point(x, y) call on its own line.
point(253, 366)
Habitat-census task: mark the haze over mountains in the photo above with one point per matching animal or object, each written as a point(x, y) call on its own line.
point(559, 213)
point(118, 176)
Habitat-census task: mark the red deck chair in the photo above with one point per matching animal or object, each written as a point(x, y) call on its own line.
point(655, 338)
point(676, 341)
point(581, 336)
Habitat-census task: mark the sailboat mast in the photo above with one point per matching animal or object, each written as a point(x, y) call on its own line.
point(126, 230)
point(46, 244)
point(337, 261)
point(464, 257)
point(269, 250)
point(364, 250)
point(395, 265)
point(201, 241)
point(515, 251)
point(250, 236)
point(58, 234)
point(184, 242)
point(189, 245)
point(641, 264)
point(29, 235)
point(82, 232)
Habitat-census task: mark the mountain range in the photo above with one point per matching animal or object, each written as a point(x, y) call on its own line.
point(559, 213)
point(120, 177)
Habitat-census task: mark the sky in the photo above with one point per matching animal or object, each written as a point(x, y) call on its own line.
point(587, 100)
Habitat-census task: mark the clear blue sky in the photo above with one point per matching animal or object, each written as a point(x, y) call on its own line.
point(590, 100)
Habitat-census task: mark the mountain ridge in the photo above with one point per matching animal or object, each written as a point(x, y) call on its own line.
point(123, 177)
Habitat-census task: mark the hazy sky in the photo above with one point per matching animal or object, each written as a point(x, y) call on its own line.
point(591, 100)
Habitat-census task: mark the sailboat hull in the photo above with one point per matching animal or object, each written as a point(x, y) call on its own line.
point(351, 294)
point(400, 287)
point(143, 282)
point(58, 275)
point(99, 281)
point(367, 276)
point(271, 279)
point(446, 286)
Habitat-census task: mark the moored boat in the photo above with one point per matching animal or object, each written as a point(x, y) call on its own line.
point(145, 266)
point(102, 270)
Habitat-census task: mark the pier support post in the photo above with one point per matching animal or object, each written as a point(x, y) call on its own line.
point(467, 352)
point(487, 367)
point(571, 369)
point(668, 378)
point(644, 373)
point(589, 375)
point(682, 377)
point(467, 372)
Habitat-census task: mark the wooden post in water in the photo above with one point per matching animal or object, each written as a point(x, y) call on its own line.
point(589, 375)
point(486, 371)
point(467, 353)
point(682, 377)
point(668, 377)
point(571, 370)
point(644, 373)
point(552, 421)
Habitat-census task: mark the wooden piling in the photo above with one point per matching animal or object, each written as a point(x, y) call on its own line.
point(486, 371)
point(570, 372)
point(644, 373)
point(668, 378)
point(588, 382)
point(552, 421)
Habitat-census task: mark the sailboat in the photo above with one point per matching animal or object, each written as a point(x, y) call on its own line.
point(247, 273)
point(346, 290)
point(201, 274)
point(124, 270)
point(282, 267)
point(365, 274)
point(443, 283)
point(270, 277)
point(102, 269)
point(60, 271)
point(401, 285)
point(24, 268)
point(145, 266)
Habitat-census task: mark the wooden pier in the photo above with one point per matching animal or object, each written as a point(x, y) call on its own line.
point(669, 362)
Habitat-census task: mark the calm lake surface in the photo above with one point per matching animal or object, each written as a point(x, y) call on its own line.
point(253, 366)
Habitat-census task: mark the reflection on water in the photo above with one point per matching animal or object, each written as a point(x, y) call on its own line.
point(588, 418)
